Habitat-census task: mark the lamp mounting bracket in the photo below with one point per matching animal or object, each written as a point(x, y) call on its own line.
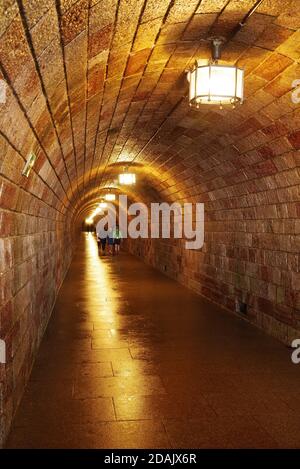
point(216, 45)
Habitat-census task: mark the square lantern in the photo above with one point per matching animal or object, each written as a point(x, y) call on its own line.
point(215, 84)
point(110, 197)
point(127, 179)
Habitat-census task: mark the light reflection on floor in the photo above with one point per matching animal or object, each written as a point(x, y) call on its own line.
point(101, 289)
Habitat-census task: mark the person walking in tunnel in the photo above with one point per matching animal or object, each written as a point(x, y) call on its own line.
point(110, 241)
point(101, 240)
point(117, 235)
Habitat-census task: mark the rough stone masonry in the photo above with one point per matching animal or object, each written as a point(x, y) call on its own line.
point(91, 84)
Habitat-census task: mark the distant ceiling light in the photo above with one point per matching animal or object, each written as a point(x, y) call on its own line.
point(127, 178)
point(214, 83)
point(103, 204)
point(89, 221)
point(110, 197)
point(29, 164)
point(97, 211)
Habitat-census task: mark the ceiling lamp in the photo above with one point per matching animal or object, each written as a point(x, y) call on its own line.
point(127, 178)
point(97, 211)
point(214, 83)
point(103, 204)
point(110, 197)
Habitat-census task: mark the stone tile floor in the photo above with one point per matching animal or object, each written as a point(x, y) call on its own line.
point(131, 359)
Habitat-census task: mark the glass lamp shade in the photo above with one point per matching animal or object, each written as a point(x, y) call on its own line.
point(216, 84)
point(110, 197)
point(127, 178)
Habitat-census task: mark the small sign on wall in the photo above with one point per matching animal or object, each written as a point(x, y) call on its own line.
point(2, 351)
point(29, 164)
point(296, 91)
point(2, 92)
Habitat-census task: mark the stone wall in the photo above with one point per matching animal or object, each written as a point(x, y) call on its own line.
point(35, 252)
point(250, 255)
point(93, 85)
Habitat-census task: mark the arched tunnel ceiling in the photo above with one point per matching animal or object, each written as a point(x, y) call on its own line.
point(92, 84)
point(147, 189)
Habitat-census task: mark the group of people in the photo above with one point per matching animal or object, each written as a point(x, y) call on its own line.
point(111, 239)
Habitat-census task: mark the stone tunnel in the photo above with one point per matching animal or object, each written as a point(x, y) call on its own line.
point(147, 348)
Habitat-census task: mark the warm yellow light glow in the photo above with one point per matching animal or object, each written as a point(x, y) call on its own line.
point(127, 178)
point(216, 84)
point(97, 211)
point(103, 204)
point(110, 197)
point(106, 305)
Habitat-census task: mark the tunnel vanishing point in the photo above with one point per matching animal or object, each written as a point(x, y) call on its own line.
point(90, 89)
